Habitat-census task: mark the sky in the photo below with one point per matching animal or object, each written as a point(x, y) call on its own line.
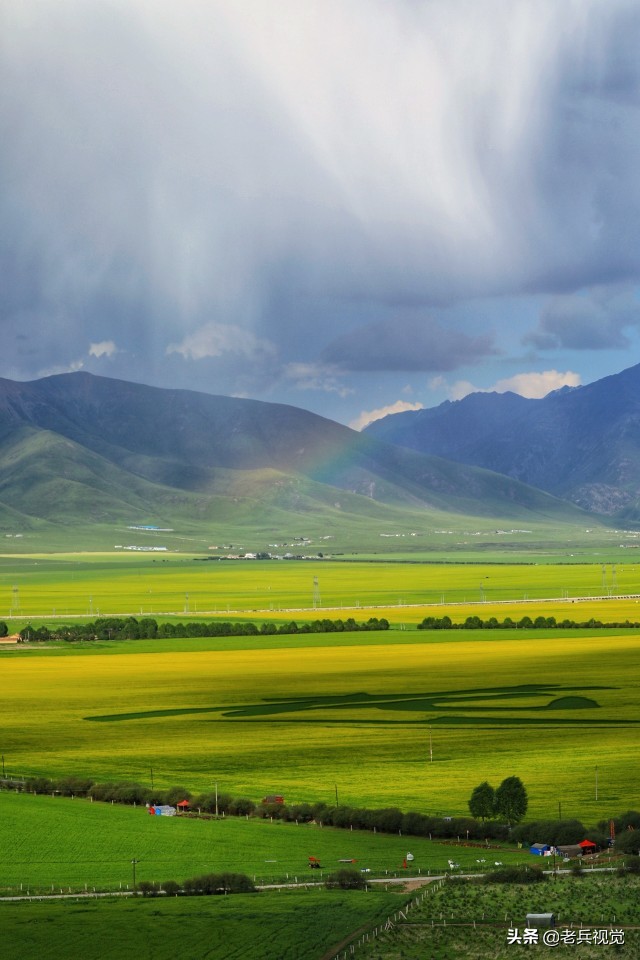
point(353, 206)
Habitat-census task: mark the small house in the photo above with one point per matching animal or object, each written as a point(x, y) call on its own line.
point(535, 920)
point(540, 849)
point(570, 850)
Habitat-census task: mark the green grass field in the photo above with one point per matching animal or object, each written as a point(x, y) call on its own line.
point(334, 522)
point(287, 925)
point(51, 844)
point(39, 587)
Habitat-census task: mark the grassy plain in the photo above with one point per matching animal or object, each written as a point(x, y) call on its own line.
point(48, 844)
point(287, 925)
point(357, 526)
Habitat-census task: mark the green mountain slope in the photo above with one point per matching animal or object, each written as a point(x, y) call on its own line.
point(78, 449)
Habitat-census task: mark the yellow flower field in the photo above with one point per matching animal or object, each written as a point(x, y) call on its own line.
point(318, 713)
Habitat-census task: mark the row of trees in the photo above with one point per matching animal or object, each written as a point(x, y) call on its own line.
point(525, 623)
point(495, 813)
point(209, 884)
point(385, 820)
point(508, 802)
point(130, 628)
point(217, 884)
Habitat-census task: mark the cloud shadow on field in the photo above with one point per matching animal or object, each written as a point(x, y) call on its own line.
point(482, 705)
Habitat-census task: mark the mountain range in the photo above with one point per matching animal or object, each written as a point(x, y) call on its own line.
point(581, 444)
point(77, 448)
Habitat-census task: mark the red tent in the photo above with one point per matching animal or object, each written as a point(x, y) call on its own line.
point(183, 804)
point(588, 846)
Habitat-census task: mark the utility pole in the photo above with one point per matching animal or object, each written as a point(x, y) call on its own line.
point(3, 766)
point(430, 746)
point(337, 803)
point(133, 864)
point(596, 782)
point(216, 799)
point(559, 809)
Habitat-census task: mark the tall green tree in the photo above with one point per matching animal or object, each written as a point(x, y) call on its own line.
point(511, 800)
point(482, 802)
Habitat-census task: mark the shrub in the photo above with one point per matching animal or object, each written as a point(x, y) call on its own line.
point(175, 794)
point(345, 880)
point(40, 785)
point(207, 802)
point(629, 819)
point(300, 811)
point(388, 820)
point(241, 806)
point(148, 888)
point(131, 793)
point(628, 842)
point(73, 786)
point(553, 832)
point(276, 810)
point(171, 888)
point(215, 884)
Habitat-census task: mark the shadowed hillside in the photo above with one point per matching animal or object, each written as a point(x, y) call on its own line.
point(76, 447)
point(582, 444)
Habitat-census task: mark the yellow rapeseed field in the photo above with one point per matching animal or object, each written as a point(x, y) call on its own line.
point(415, 723)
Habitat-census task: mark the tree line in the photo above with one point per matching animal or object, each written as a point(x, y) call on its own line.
point(385, 820)
point(486, 822)
point(207, 885)
point(217, 884)
point(130, 628)
point(525, 623)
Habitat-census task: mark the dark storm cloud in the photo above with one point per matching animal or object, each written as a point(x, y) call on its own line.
point(418, 344)
point(593, 320)
point(219, 191)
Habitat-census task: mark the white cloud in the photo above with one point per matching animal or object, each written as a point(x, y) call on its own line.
point(536, 385)
point(368, 416)
point(216, 339)
point(532, 385)
point(105, 348)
